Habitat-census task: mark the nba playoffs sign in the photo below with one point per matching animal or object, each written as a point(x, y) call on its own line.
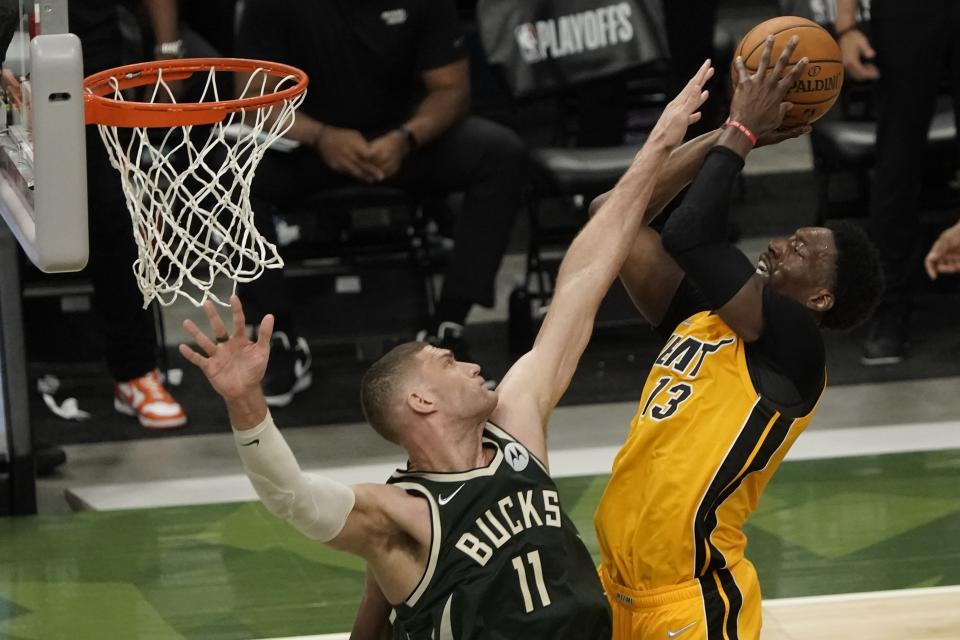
point(546, 44)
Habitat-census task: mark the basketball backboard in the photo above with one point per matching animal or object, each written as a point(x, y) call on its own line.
point(42, 146)
point(43, 202)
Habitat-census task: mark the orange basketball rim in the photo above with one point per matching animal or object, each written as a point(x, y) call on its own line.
point(103, 108)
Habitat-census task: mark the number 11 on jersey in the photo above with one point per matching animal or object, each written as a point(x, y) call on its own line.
point(533, 558)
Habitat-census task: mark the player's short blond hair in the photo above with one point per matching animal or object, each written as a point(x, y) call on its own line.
point(380, 385)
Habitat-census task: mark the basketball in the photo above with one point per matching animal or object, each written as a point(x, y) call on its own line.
point(817, 89)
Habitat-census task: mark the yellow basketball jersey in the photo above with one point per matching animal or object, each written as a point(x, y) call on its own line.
point(702, 447)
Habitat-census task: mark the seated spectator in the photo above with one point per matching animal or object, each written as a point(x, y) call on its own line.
point(901, 32)
point(387, 104)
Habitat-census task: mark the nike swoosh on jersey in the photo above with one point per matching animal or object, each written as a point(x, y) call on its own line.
point(444, 501)
point(674, 634)
point(255, 441)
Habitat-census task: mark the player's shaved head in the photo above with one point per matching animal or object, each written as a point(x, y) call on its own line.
point(381, 386)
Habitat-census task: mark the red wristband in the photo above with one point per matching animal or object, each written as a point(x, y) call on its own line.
point(742, 129)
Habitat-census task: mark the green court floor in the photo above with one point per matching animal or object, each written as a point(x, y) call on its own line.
point(233, 571)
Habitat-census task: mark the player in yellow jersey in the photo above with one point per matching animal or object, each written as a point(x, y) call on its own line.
point(737, 381)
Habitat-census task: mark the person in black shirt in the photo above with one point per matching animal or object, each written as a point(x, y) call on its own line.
point(130, 335)
point(387, 104)
point(901, 34)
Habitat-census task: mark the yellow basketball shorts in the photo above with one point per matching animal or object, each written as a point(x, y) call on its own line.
point(722, 605)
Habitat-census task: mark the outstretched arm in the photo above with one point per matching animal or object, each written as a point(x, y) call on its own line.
point(650, 275)
point(534, 385)
point(677, 172)
point(683, 164)
point(362, 519)
point(695, 235)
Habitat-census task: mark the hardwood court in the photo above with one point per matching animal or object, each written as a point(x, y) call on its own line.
point(931, 614)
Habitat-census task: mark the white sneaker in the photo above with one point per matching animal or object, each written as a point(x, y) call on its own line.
point(147, 399)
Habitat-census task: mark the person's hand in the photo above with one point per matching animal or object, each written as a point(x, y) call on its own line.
point(234, 365)
point(682, 111)
point(944, 255)
point(854, 47)
point(779, 135)
point(13, 89)
point(347, 151)
point(389, 151)
point(758, 99)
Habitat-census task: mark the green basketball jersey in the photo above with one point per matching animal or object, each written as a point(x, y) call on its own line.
point(505, 560)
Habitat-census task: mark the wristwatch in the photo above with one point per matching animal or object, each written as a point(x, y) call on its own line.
point(172, 49)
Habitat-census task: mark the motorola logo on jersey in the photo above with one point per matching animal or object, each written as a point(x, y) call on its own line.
point(516, 456)
point(511, 515)
point(575, 33)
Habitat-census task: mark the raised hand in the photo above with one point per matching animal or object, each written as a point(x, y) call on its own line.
point(944, 255)
point(683, 110)
point(758, 99)
point(233, 364)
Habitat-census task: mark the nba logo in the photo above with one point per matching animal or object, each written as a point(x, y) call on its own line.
point(527, 41)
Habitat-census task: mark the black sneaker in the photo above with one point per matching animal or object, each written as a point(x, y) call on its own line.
point(886, 341)
point(47, 459)
point(288, 371)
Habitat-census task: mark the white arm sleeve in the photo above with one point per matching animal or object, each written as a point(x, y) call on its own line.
point(318, 507)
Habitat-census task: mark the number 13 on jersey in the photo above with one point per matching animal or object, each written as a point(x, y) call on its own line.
point(663, 402)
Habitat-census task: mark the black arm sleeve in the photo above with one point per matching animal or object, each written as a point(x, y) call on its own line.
point(696, 233)
point(787, 363)
point(686, 301)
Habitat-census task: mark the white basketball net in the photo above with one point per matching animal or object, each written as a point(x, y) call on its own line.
point(190, 200)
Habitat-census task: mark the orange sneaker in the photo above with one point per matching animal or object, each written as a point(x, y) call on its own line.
point(147, 399)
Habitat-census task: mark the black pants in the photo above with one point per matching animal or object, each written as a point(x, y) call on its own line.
point(912, 41)
point(129, 334)
point(484, 160)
